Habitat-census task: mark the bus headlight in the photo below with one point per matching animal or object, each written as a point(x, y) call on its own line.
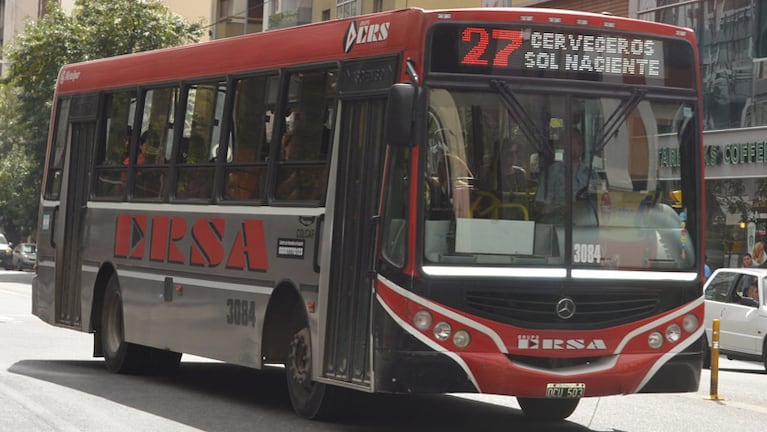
point(442, 331)
point(673, 333)
point(461, 339)
point(655, 340)
point(690, 323)
point(422, 320)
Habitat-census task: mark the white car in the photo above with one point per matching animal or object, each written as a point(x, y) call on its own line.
point(740, 307)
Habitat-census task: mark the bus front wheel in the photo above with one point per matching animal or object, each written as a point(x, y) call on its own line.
point(548, 409)
point(309, 398)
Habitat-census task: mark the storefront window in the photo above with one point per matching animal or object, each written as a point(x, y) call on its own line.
point(726, 32)
point(736, 221)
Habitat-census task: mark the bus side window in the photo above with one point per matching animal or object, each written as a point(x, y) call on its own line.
point(114, 146)
point(157, 126)
point(195, 156)
point(247, 147)
point(302, 167)
point(395, 232)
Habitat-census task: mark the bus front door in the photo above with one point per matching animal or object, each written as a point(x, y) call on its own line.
point(355, 203)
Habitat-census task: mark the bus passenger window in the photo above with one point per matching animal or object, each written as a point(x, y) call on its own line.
point(114, 146)
point(195, 156)
point(247, 146)
point(157, 133)
point(302, 163)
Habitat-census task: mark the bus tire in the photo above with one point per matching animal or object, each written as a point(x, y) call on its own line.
point(119, 356)
point(548, 409)
point(310, 399)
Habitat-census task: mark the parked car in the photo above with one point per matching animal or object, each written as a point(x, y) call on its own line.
point(24, 256)
point(6, 253)
point(736, 296)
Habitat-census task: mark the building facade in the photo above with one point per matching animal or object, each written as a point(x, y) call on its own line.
point(14, 14)
point(614, 7)
point(732, 35)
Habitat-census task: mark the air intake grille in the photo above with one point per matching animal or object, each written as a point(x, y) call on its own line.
point(597, 309)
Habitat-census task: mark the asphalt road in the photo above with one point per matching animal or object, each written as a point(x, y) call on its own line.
point(50, 382)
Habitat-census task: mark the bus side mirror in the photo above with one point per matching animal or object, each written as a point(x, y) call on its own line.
point(398, 123)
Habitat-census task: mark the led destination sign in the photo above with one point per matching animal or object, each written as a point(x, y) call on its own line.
point(588, 53)
point(561, 53)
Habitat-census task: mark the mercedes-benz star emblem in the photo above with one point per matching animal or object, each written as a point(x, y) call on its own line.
point(565, 308)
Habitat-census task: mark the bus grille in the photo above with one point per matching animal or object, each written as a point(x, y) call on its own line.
point(538, 310)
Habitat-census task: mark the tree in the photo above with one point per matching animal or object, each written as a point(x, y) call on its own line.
point(95, 29)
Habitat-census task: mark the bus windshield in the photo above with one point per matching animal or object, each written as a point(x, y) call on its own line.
point(518, 178)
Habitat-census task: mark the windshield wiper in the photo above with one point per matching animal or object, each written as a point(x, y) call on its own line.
point(617, 118)
point(518, 112)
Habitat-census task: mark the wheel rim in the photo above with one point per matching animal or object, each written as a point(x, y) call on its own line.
point(300, 360)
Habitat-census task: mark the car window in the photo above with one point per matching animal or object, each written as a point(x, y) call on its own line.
point(719, 287)
point(3, 239)
point(741, 289)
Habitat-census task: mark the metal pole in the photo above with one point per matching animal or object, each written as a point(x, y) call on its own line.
point(715, 362)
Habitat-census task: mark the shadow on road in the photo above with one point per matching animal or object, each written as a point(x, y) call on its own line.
point(203, 395)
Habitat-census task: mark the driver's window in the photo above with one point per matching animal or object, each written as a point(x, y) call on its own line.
point(437, 180)
point(449, 176)
point(745, 291)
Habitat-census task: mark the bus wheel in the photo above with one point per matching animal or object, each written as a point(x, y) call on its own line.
point(548, 409)
point(310, 399)
point(119, 356)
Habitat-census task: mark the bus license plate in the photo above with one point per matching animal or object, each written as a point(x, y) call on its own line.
point(565, 390)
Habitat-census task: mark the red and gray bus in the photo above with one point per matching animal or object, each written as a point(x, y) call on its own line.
point(503, 201)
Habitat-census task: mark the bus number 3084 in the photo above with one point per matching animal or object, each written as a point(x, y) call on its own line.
point(241, 312)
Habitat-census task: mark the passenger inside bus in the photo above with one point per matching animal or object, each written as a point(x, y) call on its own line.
point(550, 196)
point(126, 156)
point(149, 181)
point(511, 177)
point(139, 148)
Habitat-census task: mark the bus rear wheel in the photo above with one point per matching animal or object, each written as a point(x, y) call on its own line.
point(548, 409)
point(310, 399)
point(119, 356)
point(124, 357)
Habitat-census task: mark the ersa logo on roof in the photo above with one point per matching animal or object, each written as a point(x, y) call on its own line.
point(69, 76)
point(365, 32)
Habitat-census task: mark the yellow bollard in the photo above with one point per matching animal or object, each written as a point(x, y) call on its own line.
point(715, 362)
